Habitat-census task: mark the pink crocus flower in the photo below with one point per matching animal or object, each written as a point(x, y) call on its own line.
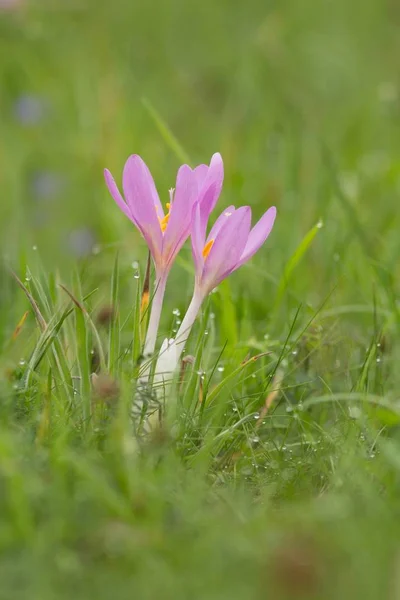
point(165, 232)
point(230, 243)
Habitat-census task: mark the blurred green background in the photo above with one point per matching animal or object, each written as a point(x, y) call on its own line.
point(302, 99)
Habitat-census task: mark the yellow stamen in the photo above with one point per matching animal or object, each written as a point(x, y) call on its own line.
point(207, 248)
point(164, 220)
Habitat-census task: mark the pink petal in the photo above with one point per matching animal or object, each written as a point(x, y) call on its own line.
point(178, 228)
point(200, 173)
point(115, 193)
point(228, 212)
point(197, 239)
point(227, 248)
point(144, 204)
point(214, 178)
point(258, 235)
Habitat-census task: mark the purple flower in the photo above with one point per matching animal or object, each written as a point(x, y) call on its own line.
point(165, 232)
point(229, 244)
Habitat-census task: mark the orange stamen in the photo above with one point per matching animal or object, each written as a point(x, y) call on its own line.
point(207, 248)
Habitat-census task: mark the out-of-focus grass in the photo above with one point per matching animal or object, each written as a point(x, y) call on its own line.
point(274, 478)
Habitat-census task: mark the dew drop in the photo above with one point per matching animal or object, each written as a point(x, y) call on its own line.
point(256, 416)
point(320, 224)
point(206, 332)
point(295, 352)
point(221, 369)
point(34, 248)
point(22, 362)
point(212, 315)
point(378, 360)
point(176, 312)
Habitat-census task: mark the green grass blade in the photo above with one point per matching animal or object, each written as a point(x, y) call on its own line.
point(165, 132)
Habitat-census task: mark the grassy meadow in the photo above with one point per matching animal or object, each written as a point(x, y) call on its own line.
point(273, 468)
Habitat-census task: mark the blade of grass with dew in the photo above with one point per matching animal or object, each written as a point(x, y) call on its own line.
point(41, 286)
point(82, 352)
point(213, 394)
point(114, 332)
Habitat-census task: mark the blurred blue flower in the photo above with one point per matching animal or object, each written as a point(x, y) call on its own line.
point(29, 110)
point(81, 242)
point(10, 4)
point(45, 185)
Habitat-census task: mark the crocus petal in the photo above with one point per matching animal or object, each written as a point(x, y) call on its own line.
point(258, 235)
point(115, 193)
point(214, 178)
point(200, 173)
point(227, 248)
point(178, 228)
point(142, 199)
point(220, 222)
point(198, 233)
point(197, 239)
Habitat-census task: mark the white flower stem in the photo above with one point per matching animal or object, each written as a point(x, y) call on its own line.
point(187, 323)
point(155, 314)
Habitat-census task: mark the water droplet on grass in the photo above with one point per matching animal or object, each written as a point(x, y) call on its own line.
point(221, 369)
point(176, 312)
